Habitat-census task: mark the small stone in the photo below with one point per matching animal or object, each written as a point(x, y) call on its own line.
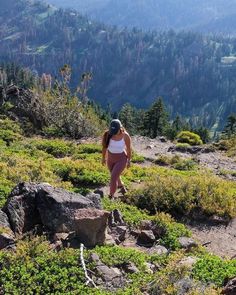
point(95, 258)
point(115, 218)
point(135, 232)
point(99, 192)
point(107, 273)
point(96, 199)
point(159, 250)
point(146, 225)
point(121, 232)
point(162, 139)
point(184, 285)
point(187, 243)
point(188, 262)
point(130, 268)
point(149, 147)
point(109, 240)
point(146, 237)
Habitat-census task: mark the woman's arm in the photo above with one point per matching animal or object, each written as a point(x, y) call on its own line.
point(104, 152)
point(128, 148)
point(104, 148)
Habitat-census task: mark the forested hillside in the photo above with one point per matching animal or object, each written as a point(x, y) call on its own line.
point(199, 15)
point(194, 74)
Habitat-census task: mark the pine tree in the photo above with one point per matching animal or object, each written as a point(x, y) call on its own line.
point(230, 127)
point(155, 119)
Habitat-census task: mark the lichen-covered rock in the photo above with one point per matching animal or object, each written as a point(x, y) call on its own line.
point(90, 226)
point(6, 235)
point(57, 207)
point(21, 208)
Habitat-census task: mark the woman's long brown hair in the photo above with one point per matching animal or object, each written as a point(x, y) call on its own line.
point(107, 136)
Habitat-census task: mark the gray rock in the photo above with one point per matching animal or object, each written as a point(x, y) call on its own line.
point(116, 218)
point(90, 226)
point(184, 285)
point(159, 250)
point(188, 262)
point(108, 273)
point(146, 238)
point(21, 208)
point(96, 199)
point(57, 207)
point(6, 240)
point(157, 230)
point(230, 287)
point(187, 243)
point(130, 268)
point(120, 232)
point(109, 240)
point(99, 192)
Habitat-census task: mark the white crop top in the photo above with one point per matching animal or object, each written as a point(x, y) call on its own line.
point(116, 146)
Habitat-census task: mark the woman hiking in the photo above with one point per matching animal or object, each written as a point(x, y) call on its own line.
point(116, 153)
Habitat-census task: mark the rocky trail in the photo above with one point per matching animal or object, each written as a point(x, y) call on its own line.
point(218, 238)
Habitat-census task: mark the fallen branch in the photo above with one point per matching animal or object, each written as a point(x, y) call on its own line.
point(89, 280)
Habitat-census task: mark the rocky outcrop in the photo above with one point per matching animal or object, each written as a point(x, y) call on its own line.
point(57, 211)
point(7, 238)
point(21, 208)
point(57, 207)
point(25, 104)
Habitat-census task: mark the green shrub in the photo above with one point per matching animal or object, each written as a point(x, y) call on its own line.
point(186, 165)
point(136, 158)
point(34, 269)
point(189, 137)
point(181, 195)
point(57, 147)
point(212, 269)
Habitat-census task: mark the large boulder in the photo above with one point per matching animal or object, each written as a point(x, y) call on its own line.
point(21, 208)
point(56, 210)
point(90, 226)
point(6, 235)
point(57, 207)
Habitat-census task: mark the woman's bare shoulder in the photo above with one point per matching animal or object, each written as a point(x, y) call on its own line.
point(126, 135)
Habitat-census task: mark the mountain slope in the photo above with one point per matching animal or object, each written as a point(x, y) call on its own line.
point(155, 14)
point(187, 69)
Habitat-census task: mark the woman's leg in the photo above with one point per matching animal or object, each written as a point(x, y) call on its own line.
point(118, 168)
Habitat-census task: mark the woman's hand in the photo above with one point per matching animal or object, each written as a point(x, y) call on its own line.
point(104, 162)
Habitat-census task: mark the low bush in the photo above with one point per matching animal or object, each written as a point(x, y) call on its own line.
point(189, 138)
point(57, 147)
point(182, 195)
point(212, 269)
point(34, 269)
point(172, 278)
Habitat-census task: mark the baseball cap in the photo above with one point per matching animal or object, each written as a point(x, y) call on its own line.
point(115, 126)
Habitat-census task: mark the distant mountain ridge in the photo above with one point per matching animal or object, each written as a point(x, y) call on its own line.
point(195, 74)
point(199, 15)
